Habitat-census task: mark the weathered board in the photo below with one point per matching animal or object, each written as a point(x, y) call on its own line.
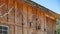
point(22, 18)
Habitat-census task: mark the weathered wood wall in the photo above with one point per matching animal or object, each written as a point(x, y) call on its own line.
point(21, 15)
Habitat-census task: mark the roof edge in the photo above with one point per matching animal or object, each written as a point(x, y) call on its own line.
point(34, 4)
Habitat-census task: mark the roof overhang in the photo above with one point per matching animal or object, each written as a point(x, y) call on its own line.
point(34, 4)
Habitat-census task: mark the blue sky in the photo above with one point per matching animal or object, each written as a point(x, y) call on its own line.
point(53, 5)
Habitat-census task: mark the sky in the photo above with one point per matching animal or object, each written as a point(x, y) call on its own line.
point(53, 5)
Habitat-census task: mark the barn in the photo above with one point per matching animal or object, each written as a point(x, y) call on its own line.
point(25, 17)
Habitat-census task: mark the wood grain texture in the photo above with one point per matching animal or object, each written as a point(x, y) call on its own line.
point(26, 14)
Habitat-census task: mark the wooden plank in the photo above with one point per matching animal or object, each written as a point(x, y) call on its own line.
point(45, 26)
point(11, 14)
point(25, 31)
point(24, 12)
point(30, 14)
point(49, 25)
point(42, 22)
point(54, 26)
point(38, 21)
point(18, 30)
point(3, 11)
point(30, 20)
point(34, 20)
point(51, 28)
point(31, 31)
point(34, 17)
point(11, 29)
point(19, 15)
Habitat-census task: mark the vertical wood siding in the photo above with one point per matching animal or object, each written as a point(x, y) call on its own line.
point(21, 15)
